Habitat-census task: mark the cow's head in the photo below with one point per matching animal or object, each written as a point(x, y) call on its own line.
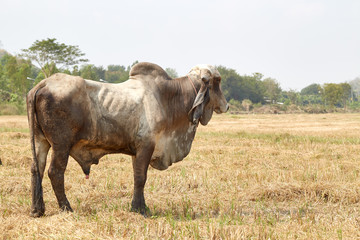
point(210, 97)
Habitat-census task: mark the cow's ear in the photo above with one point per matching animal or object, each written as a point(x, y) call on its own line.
point(201, 99)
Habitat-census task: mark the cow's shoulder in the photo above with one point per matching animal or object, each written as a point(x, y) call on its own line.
point(148, 69)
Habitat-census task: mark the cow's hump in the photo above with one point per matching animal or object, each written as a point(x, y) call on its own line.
point(148, 69)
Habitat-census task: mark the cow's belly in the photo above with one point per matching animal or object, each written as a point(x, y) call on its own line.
point(87, 152)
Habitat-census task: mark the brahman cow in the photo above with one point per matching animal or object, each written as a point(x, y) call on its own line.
point(151, 117)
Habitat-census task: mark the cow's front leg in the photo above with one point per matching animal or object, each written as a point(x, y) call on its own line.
point(140, 166)
point(56, 174)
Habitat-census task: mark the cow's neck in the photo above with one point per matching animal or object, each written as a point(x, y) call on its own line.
point(193, 83)
point(179, 96)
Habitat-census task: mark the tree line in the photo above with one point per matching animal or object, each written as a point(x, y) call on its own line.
point(257, 90)
point(18, 74)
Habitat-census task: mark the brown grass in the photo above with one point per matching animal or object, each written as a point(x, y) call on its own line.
point(247, 177)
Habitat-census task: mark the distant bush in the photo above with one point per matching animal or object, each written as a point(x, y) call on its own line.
point(246, 104)
point(315, 108)
point(355, 106)
point(11, 104)
point(292, 108)
point(235, 105)
point(5, 96)
point(268, 109)
point(12, 109)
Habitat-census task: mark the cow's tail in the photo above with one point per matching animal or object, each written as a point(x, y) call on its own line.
point(37, 208)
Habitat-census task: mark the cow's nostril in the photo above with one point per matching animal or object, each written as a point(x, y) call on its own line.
point(222, 109)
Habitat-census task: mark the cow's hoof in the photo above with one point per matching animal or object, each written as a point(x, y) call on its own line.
point(37, 210)
point(145, 211)
point(37, 213)
point(66, 208)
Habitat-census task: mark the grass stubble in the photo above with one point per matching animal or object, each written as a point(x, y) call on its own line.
point(247, 177)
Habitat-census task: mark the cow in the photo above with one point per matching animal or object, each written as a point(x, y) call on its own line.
point(151, 117)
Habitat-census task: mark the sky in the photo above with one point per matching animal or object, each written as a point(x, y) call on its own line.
point(296, 42)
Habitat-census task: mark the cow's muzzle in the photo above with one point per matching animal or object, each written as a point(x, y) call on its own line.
point(222, 109)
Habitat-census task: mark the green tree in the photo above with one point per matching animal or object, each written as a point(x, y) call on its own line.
point(49, 55)
point(230, 83)
point(289, 97)
point(2, 79)
point(100, 71)
point(20, 83)
point(89, 72)
point(332, 94)
point(311, 95)
point(346, 95)
point(10, 70)
point(117, 73)
point(258, 76)
point(253, 88)
point(313, 89)
point(355, 87)
point(272, 89)
point(14, 73)
point(75, 71)
point(171, 72)
point(241, 87)
point(3, 53)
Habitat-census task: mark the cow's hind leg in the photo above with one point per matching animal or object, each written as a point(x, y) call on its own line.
point(140, 166)
point(37, 172)
point(59, 160)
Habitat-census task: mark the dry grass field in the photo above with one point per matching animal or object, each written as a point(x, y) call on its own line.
point(247, 177)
